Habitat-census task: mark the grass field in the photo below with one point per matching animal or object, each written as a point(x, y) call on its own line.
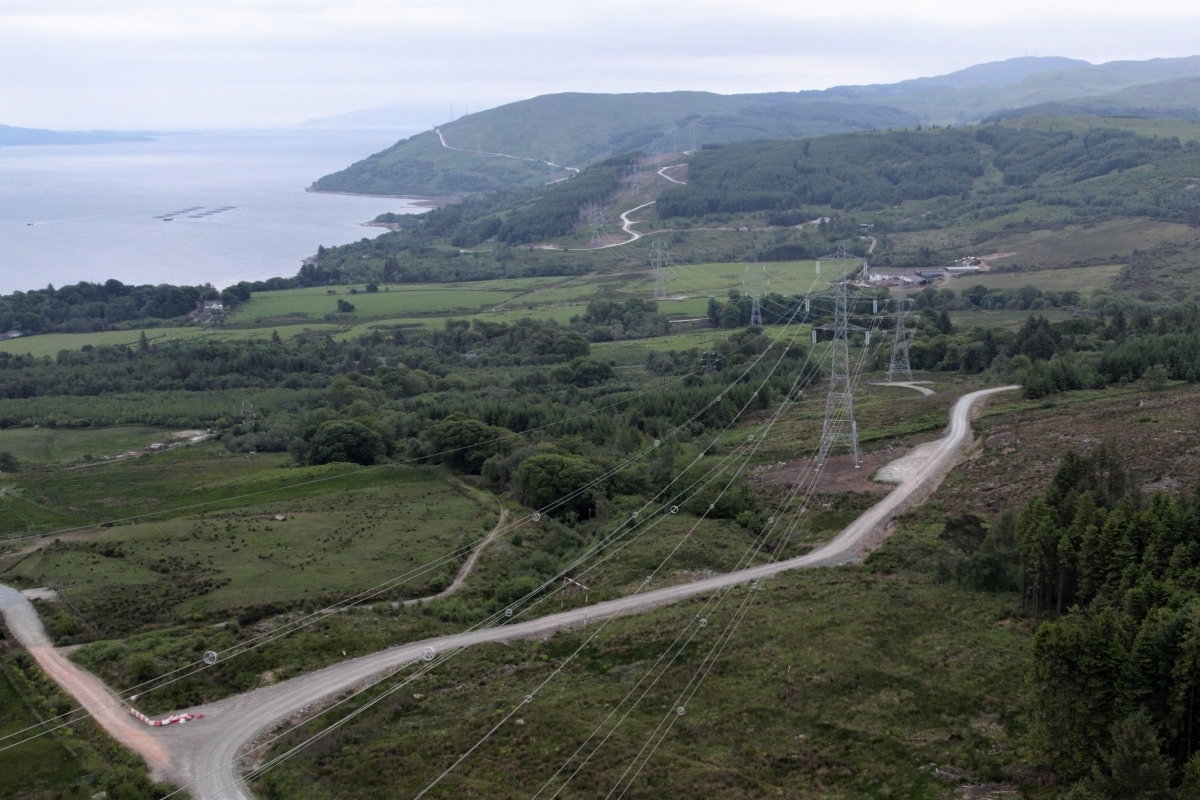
point(396, 300)
point(783, 277)
point(328, 543)
point(205, 474)
point(1075, 243)
point(561, 314)
point(49, 445)
point(48, 344)
point(1082, 279)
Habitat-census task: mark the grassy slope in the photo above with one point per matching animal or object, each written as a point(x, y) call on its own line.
point(329, 541)
point(838, 684)
point(858, 682)
point(205, 474)
point(1080, 279)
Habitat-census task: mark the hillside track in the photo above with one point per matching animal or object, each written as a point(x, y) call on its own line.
point(442, 139)
point(205, 756)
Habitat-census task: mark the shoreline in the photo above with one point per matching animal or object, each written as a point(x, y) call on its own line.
point(419, 200)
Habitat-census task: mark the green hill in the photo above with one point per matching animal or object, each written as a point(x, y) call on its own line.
point(576, 129)
point(946, 101)
point(1173, 99)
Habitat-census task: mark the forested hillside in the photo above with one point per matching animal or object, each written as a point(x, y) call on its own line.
point(1094, 174)
point(1174, 99)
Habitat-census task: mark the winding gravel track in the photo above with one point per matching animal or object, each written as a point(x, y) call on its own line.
point(442, 139)
point(625, 226)
point(205, 755)
point(663, 173)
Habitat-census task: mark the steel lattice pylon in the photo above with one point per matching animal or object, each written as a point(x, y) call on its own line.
point(755, 295)
point(658, 260)
point(899, 363)
point(840, 426)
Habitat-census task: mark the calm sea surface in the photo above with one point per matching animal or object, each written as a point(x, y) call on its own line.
point(96, 208)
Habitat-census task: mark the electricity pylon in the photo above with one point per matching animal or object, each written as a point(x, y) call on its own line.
point(658, 259)
point(248, 419)
point(756, 295)
point(596, 220)
point(840, 427)
point(899, 363)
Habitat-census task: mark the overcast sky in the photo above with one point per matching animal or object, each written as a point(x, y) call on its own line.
point(168, 64)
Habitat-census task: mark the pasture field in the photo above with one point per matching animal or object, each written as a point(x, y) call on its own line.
point(715, 280)
point(396, 300)
point(43, 446)
point(49, 344)
point(205, 477)
point(561, 314)
point(630, 352)
point(1084, 280)
point(328, 543)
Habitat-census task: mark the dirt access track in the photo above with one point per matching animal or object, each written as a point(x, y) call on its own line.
point(205, 756)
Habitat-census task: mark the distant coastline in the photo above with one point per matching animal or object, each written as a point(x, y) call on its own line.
point(423, 201)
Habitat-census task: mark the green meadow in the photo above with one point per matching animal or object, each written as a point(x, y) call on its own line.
point(51, 445)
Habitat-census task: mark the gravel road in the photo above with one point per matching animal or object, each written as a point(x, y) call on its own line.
point(205, 755)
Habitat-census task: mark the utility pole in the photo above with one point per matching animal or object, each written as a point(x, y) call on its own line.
point(899, 363)
point(658, 260)
point(840, 426)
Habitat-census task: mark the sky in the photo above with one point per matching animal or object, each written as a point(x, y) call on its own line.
point(171, 65)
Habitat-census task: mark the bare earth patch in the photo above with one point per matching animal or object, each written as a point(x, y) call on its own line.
point(839, 475)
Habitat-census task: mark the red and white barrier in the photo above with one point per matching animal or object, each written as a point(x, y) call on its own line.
point(174, 719)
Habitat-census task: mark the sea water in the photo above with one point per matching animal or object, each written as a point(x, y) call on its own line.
point(237, 201)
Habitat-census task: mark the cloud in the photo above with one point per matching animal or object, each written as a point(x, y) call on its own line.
point(136, 64)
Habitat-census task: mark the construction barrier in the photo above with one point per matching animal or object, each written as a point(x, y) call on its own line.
point(171, 720)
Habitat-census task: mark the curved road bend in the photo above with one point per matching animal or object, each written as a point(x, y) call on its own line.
point(207, 752)
point(625, 223)
point(88, 690)
point(663, 173)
